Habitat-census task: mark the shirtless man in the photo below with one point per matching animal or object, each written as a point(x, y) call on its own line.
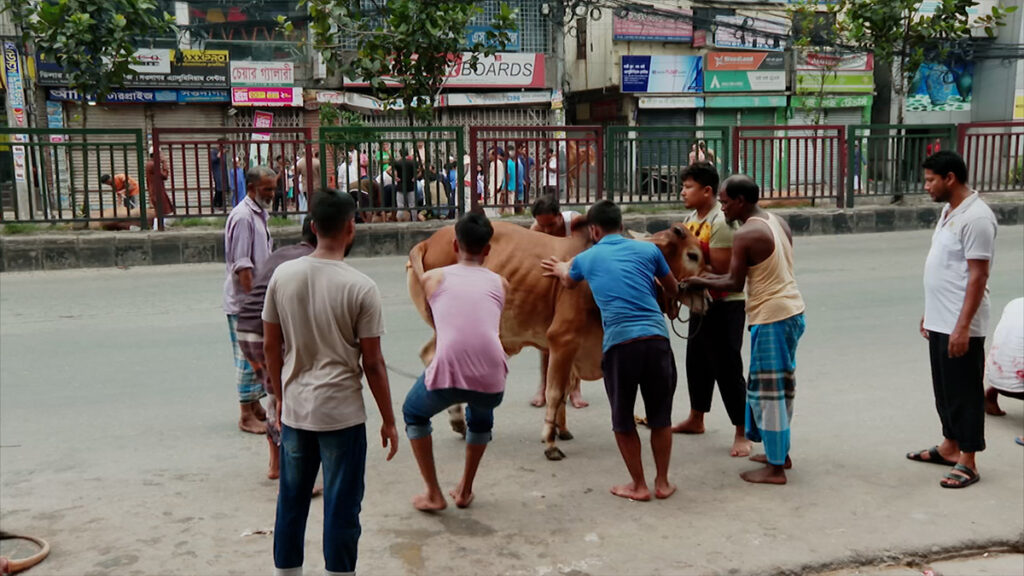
point(762, 257)
point(549, 218)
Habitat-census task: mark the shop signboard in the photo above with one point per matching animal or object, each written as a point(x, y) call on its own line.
point(665, 26)
point(478, 35)
point(250, 73)
point(848, 73)
point(745, 32)
point(144, 96)
point(662, 74)
point(502, 70)
point(157, 69)
point(260, 96)
point(745, 101)
point(744, 72)
point(859, 101)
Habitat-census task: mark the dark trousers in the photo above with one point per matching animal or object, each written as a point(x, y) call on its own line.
point(959, 391)
point(646, 364)
point(714, 353)
point(343, 455)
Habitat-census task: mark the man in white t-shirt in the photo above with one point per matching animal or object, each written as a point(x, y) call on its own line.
point(327, 316)
point(550, 172)
point(1004, 368)
point(956, 312)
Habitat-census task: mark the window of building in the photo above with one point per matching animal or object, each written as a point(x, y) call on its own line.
point(581, 38)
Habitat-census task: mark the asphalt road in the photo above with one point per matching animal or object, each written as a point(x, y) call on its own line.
point(118, 441)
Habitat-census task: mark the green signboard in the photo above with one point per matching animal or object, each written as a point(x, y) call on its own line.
point(831, 101)
point(745, 101)
point(809, 82)
point(744, 80)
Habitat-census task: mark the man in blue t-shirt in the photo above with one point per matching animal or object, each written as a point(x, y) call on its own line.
point(622, 275)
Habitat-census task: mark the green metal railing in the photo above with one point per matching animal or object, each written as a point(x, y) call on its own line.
point(885, 159)
point(643, 162)
point(57, 175)
point(400, 172)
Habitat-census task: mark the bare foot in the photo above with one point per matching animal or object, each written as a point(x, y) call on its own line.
point(741, 447)
point(258, 410)
point(250, 424)
point(689, 426)
point(632, 492)
point(429, 502)
point(462, 500)
point(992, 403)
point(576, 397)
point(767, 475)
point(663, 489)
point(538, 400)
point(764, 460)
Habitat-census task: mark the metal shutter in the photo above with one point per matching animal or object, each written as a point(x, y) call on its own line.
point(190, 183)
point(85, 169)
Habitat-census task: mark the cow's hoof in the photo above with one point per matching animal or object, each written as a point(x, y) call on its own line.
point(565, 435)
point(459, 428)
point(554, 454)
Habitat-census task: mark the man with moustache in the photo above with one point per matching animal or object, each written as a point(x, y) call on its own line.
point(247, 244)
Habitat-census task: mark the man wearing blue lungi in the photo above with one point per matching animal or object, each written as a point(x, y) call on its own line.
point(762, 257)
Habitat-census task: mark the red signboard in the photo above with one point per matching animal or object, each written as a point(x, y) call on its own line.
point(744, 61)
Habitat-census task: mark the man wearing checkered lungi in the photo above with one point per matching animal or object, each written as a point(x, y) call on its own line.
point(762, 258)
point(250, 332)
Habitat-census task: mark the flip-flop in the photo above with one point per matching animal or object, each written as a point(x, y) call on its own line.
point(963, 480)
point(1019, 440)
point(933, 457)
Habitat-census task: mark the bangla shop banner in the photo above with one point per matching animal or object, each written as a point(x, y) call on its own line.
point(662, 74)
point(641, 27)
point(259, 96)
point(262, 73)
point(744, 72)
point(846, 73)
point(157, 68)
point(502, 70)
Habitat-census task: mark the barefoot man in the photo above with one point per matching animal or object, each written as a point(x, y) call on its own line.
point(715, 345)
point(762, 257)
point(549, 218)
point(636, 350)
point(469, 365)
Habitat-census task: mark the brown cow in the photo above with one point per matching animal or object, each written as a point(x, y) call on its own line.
point(538, 311)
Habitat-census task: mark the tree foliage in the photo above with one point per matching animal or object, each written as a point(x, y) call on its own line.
point(414, 43)
point(92, 40)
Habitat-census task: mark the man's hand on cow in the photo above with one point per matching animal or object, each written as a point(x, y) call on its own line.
point(389, 438)
point(959, 341)
point(693, 283)
point(555, 268)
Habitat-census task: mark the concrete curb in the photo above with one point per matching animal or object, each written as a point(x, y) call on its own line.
point(109, 249)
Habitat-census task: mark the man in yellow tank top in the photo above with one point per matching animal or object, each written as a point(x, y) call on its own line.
point(762, 258)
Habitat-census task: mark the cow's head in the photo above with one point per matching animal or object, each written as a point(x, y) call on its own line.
point(683, 254)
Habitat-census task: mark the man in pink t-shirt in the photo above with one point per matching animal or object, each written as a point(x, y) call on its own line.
point(469, 364)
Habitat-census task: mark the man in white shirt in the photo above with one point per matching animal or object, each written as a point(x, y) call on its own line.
point(956, 313)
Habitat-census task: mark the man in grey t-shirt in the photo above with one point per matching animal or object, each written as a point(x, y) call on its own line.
point(955, 319)
point(328, 317)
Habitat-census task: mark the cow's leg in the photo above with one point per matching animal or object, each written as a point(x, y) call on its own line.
point(559, 370)
point(539, 398)
point(457, 419)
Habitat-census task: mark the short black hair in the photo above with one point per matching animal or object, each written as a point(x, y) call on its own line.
point(546, 204)
point(474, 232)
point(105, 178)
point(740, 186)
point(606, 215)
point(307, 230)
point(331, 211)
point(702, 173)
point(946, 162)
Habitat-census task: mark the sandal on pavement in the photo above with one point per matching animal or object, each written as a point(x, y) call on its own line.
point(965, 478)
point(933, 457)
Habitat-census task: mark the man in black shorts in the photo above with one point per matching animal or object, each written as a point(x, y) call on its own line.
point(622, 275)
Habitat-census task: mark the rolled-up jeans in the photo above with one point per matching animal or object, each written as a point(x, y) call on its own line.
point(343, 454)
point(422, 404)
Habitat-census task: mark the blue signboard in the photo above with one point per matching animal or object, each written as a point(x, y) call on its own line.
point(663, 74)
point(145, 96)
point(478, 34)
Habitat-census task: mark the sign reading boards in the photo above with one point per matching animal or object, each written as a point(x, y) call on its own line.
point(502, 70)
point(744, 72)
point(662, 74)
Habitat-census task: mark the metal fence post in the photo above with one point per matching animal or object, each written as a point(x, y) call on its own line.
point(851, 141)
point(141, 173)
point(609, 161)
